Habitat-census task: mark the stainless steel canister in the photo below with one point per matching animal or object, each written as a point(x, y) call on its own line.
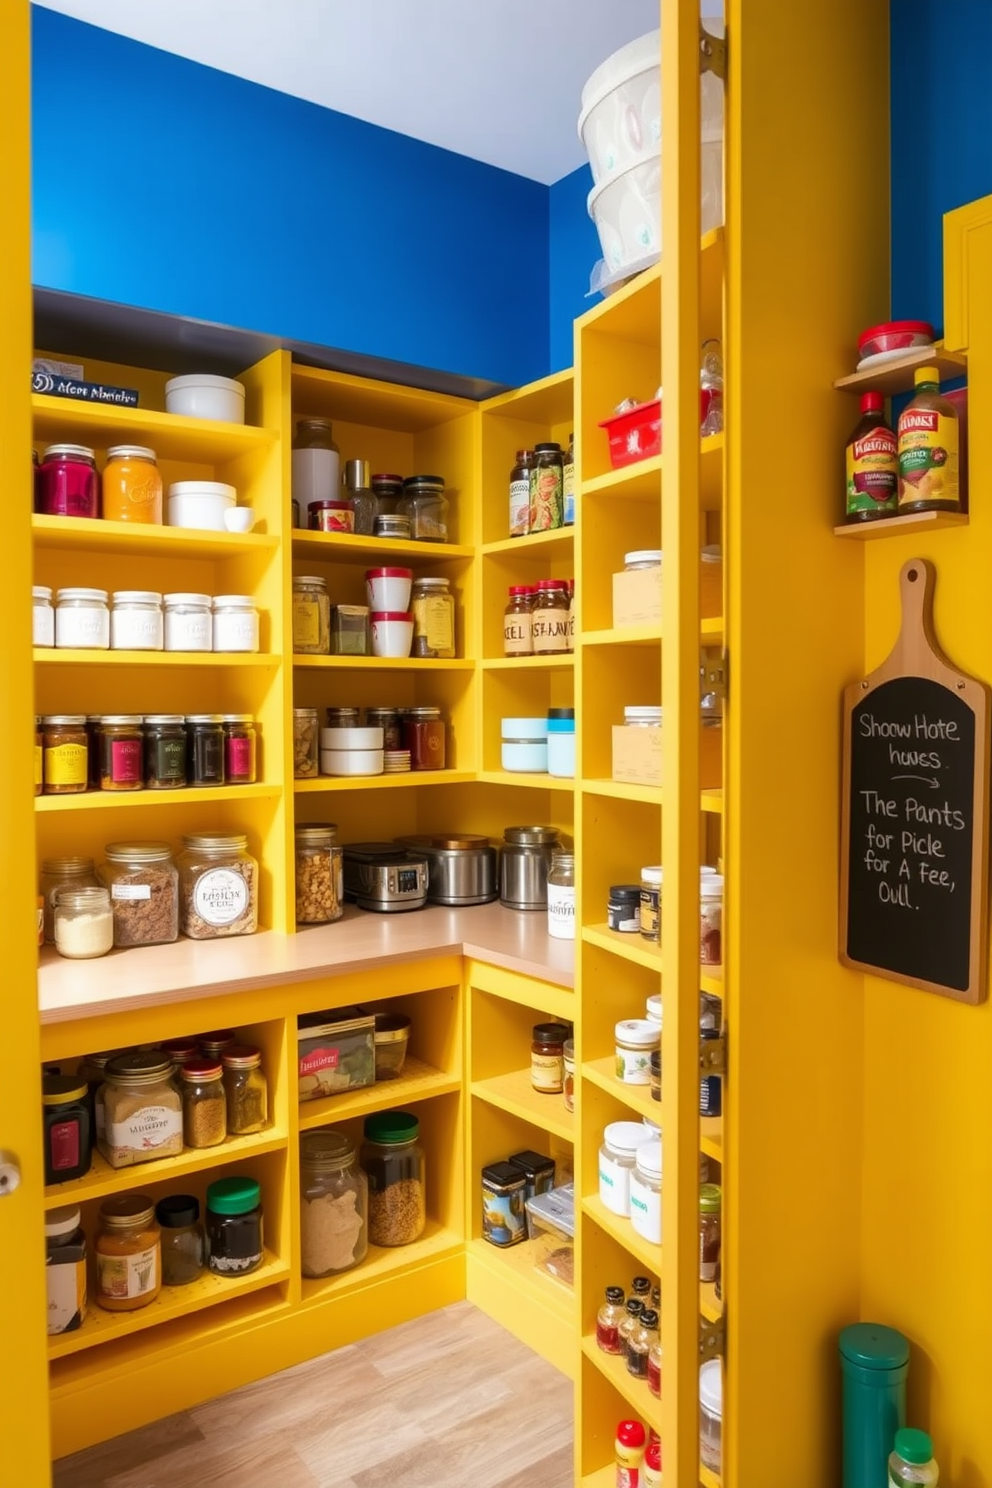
point(525, 862)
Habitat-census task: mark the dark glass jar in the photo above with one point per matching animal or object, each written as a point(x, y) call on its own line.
point(120, 744)
point(631, 1317)
point(547, 480)
point(239, 748)
point(388, 492)
point(547, 1057)
point(165, 751)
point(518, 639)
point(549, 617)
point(641, 1339)
point(424, 736)
point(182, 1239)
point(67, 483)
point(204, 749)
point(623, 910)
point(520, 493)
point(68, 1139)
point(710, 1200)
point(234, 1226)
point(388, 719)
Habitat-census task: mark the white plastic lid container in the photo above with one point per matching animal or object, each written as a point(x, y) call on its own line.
point(643, 717)
point(621, 1140)
point(711, 1414)
point(636, 1039)
point(653, 1009)
point(643, 558)
point(200, 504)
point(645, 1192)
point(202, 395)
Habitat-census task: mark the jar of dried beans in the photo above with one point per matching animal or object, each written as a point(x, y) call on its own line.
point(142, 1111)
point(218, 886)
point(204, 1102)
point(144, 892)
point(334, 1197)
point(246, 1089)
point(319, 885)
point(394, 1162)
point(306, 731)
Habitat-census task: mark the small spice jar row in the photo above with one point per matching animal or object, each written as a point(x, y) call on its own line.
point(404, 616)
point(542, 488)
point(627, 1327)
point(143, 620)
point(143, 896)
point(506, 1188)
point(638, 1050)
point(637, 909)
point(140, 1246)
point(132, 752)
point(135, 1105)
point(412, 739)
point(334, 496)
point(539, 619)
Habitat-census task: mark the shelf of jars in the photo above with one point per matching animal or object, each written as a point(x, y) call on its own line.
point(381, 1262)
point(93, 534)
point(97, 800)
point(171, 435)
point(514, 1093)
point(641, 481)
point(419, 1081)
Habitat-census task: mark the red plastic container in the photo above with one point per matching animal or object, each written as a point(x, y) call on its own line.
point(894, 335)
point(635, 434)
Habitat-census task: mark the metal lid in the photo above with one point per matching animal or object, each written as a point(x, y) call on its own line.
point(128, 720)
point(200, 1069)
point(130, 452)
point(316, 834)
point(138, 1067)
point(158, 720)
point(77, 720)
point(325, 1150)
point(124, 1211)
point(203, 718)
point(414, 482)
point(237, 718)
point(68, 865)
point(531, 836)
point(391, 1028)
point(216, 841)
point(305, 712)
point(432, 584)
point(71, 451)
point(355, 475)
point(241, 1056)
point(422, 715)
point(314, 581)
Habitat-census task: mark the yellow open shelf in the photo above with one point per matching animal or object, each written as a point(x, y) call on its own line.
point(382, 782)
point(367, 401)
point(207, 1290)
point(515, 1094)
point(518, 1262)
point(69, 420)
point(382, 1261)
point(646, 953)
point(558, 542)
point(634, 1391)
point(710, 634)
point(621, 1229)
point(602, 1072)
point(95, 535)
point(708, 1478)
point(604, 1477)
point(533, 782)
point(383, 663)
point(97, 800)
point(547, 401)
point(641, 481)
point(711, 1137)
point(102, 1179)
point(897, 376)
point(419, 1081)
point(219, 660)
point(710, 799)
point(919, 523)
point(381, 552)
point(528, 663)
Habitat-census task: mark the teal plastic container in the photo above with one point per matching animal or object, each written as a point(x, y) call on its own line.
point(874, 1361)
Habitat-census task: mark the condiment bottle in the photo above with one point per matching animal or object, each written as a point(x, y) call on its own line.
point(568, 484)
point(642, 1336)
point(608, 1321)
point(872, 464)
point(629, 1448)
point(632, 1312)
point(547, 1057)
point(68, 1141)
point(928, 449)
point(517, 624)
point(520, 493)
point(651, 1476)
point(709, 1230)
point(546, 482)
point(911, 1463)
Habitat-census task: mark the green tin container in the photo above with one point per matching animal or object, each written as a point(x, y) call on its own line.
point(874, 1362)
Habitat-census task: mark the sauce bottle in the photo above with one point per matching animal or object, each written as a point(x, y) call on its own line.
point(928, 449)
point(872, 464)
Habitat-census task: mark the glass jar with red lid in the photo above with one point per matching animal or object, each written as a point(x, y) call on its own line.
point(388, 492)
point(67, 483)
point(549, 617)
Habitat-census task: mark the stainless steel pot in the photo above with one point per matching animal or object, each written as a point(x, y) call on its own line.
point(461, 869)
point(525, 862)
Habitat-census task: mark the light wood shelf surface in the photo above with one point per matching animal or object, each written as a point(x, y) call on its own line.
point(897, 376)
point(913, 523)
point(514, 1093)
point(419, 1081)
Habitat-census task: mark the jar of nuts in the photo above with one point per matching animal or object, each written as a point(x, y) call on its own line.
point(319, 886)
point(305, 735)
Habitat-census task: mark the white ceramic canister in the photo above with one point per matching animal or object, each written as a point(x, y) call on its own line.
point(524, 748)
point(82, 619)
point(136, 622)
point(645, 1191)
point(206, 396)
point(188, 623)
point(42, 616)
point(235, 626)
point(636, 1040)
point(621, 1140)
point(200, 504)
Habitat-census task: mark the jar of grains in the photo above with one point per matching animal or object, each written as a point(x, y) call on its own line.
point(319, 882)
point(42, 616)
point(142, 1111)
point(234, 1226)
point(136, 622)
point(235, 623)
point(120, 747)
point(65, 753)
point(334, 1200)
point(182, 1239)
point(66, 482)
point(306, 733)
point(311, 616)
point(132, 485)
point(204, 1102)
point(433, 606)
point(218, 886)
point(239, 748)
point(394, 1162)
point(188, 624)
point(246, 1089)
point(84, 923)
point(63, 873)
point(128, 1253)
point(144, 891)
point(165, 751)
point(82, 619)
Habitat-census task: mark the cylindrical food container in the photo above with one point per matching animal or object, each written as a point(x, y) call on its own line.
point(218, 886)
point(234, 1226)
point(561, 897)
point(424, 734)
point(561, 742)
point(42, 616)
point(623, 909)
point(334, 1200)
point(645, 1192)
point(82, 619)
point(394, 1162)
point(524, 865)
point(621, 1140)
point(524, 747)
point(203, 395)
point(503, 1212)
point(652, 880)
point(187, 622)
point(433, 608)
point(132, 485)
point(388, 588)
point(319, 883)
point(306, 732)
point(66, 482)
point(65, 1269)
point(351, 751)
point(128, 1253)
point(711, 1421)
point(235, 623)
point(201, 504)
point(136, 622)
point(711, 919)
point(331, 516)
point(636, 1039)
point(144, 891)
point(874, 1362)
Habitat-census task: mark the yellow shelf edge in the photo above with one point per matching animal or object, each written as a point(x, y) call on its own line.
point(66, 656)
point(382, 663)
point(528, 663)
point(532, 782)
point(647, 953)
point(381, 1262)
point(634, 1391)
point(623, 635)
point(102, 1179)
point(97, 800)
point(918, 522)
point(94, 532)
point(351, 544)
point(529, 542)
point(626, 475)
point(602, 1073)
point(621, 1230)
point(709, 1479)
point(505, 401)
point(419, 1081)
point(514, 1265)
point(112, 418)
point(383, 782)
point(545, 1111)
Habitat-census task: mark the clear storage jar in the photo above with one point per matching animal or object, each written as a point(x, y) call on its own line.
point(433, 606)
point(84, 923)
point(187, 622)
point(246, 1089)
point(645, 1192)
point(643, 1336)
point(136, 621)
point(306, 737)
point(334, 1199)
point(319, 874)
point(711, 1415)
point(235, 623)
point(82, 619)
point(42, 616)
point(710, 1203)
point(132, 485)
point(621, 1140)
point(182, 1240)
point(711, 919)
point(204, 749)
point(240, 740)
point(426, 506)
point(311, 616)
point(64, 754)
point(63, 873)
point(128, 1253)
point(142, 1111)
point(144, 892)
point(636, 1040)
point(608, 1320)
point(218, 886)
point(561, 897)
point(120, 745)
point(394, 1163)
point(204, 1102)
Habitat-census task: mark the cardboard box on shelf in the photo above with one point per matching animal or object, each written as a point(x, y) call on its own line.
point(637, 756)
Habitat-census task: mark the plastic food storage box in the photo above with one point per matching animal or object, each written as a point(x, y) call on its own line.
point(551, 1221)
point(635, 434)
point(336, 1052)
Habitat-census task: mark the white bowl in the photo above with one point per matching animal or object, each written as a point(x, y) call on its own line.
point(200, 504)
point(621, 108)
point(239, 518)
point(392, 633)
point(389, 588)
point(202, 396)
point(344, 740)
point(351, 761)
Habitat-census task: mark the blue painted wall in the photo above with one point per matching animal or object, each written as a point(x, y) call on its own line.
point(165, 184)
point(941, 52)
point(574, 249)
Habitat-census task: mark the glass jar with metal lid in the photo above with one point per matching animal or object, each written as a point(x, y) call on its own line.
point(388, 491)
point(188, 625)
point(306, 735)
point(218, 886)
point(424, 736)
point(66, 483)
point(142, 1111)
point(128, 1253)
point(547, 479)
point(342, 718)
point(84, 923)
point(239, 748)
point(316, 463)
point(433, 606)
point(204, 749)
point(132, 485)
point(82, 619)
point(561, 897)
point(394, 525)
point(246, 1089)
point(388, 719)
point(524, 865)
point(63, 873)
point(144, 891)
point(204, 1102)
point(426, 505)
point(235, 623)
point(165, 751)
point(319, 883)
point(120, 744)
point(333, 1204)
point(136, 622)
point(64, 754)
point(311, 616)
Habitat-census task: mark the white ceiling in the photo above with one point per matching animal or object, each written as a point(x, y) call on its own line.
point(497, 80)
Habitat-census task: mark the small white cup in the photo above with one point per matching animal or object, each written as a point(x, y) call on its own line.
point(392, 634)
point(239, 518)
point(389, 588)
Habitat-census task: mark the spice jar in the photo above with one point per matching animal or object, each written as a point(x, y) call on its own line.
point(337, 515)
point(651, 887)
point(68, 1138)
point(520, 493)
point(136, 621)
point(311, 616)
point(394, 1162)
point(645, 1192)
point(424, 736)
point(388, 492)
point(547, 1057)
point(547, 478)
point(388, 719)
point(181, 1239)
point(63, 873)
point(165, 751)
point(65, 753)
point(631, 1316)
point(239, 748)
point(642, 1336)
point(142, 1110)
point(128, 1253)
point(334, 1200)
point(394, 526)
point(654, 1369)
point(608, 1321)
point(350, 635)
point(306, 733)
point(188, 624)
point(561, 897)
point(342, 718)
point(132, 485)
point(82, 619)
point(316, 464)
point(623, 909)
point(42, 616)
point(433, 606)
point(181, 1051)
point(234, 1226)
point(66, 483)
point(636, 1038)
point(246, 1089)
point(621, 1140)
point(426, 505)
point(568, 1082)
point(204, 1103)
point(711, 919)
point(120, 746)
point(361, 497)
point(518, 639)
point(84, 923)
point(549, 617)
point(65, 1269)
point(319, 874)
point(213, 1044)
point(710, 1201)
point(144, 892)
point(629, 1449)
point(204, 749)
point(235, 623)
point(218, 886)
point(503, 1213)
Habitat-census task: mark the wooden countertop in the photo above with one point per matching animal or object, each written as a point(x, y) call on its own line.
point(362, 941)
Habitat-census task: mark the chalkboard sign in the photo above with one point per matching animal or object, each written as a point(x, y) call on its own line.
point(914, 869)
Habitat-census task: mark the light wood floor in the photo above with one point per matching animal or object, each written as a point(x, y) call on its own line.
point(450, 1400)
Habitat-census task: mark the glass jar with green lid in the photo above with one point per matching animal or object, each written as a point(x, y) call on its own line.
point(234, 1226)
point(394, 1163)
point(333, 1204)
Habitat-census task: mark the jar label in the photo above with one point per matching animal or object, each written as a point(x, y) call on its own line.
point(549, 629)
point(130, 891)
point(63, 1145)
point(545, 498)
point(503, 1217)
point(547, 1072)
point(651, 914)
point(568, 495)
point(187, 632)
point(239, 760)
point(220, 896)
point(561, 912)
point(123, 1276)
point(634, 1066)
point(145, 1130)
point(517, 629)
point(66, 764)
point(66, 1283)
point(645, 1209)
point(519, 508)
point(39, 767)
point(125, 760)
point(872, 472)
point(230, 1265)
point(169, 759)
point(306, 622)
point(433, 620)
point(928, 457)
